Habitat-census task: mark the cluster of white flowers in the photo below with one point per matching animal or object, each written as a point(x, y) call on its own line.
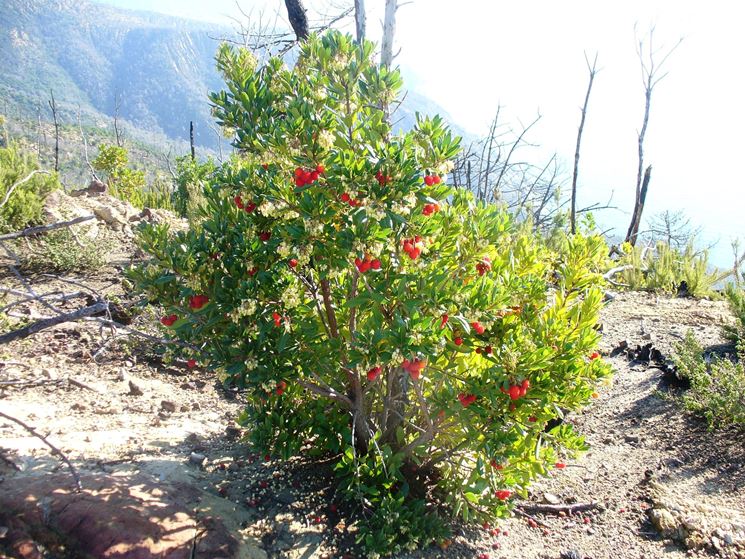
point(246, 308)
point(400, 208)
point(292, 296)
point(284, 249)
point(313, 227)
point(251, 362)
point(303, 254)
point(445, 167)
point(194, 283)
point(376, 212)
point(417, 338)
point(397, 357)
point(267, 208)
point(325, 138)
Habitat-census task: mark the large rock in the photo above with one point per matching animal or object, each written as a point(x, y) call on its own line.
point(58, 206)
point(118, 516)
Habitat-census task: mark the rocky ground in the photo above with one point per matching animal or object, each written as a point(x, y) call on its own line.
point(165, 473)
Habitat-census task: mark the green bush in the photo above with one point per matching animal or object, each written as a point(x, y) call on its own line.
point(370, 310)
point(736, 298)
point(61, 251)
point(717, 390)
point(663, 269)
point(191, 176)
point(25, 203)
point(129, 184)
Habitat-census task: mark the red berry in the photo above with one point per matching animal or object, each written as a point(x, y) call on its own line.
point(436, 179)
point(238, 202)
point(414, 253)
point(532, 523)
point(594, 355)
point(168, 320)
point(277, 318)
point(299, 181)
point(560, 465)
point(458, 341)
point(345, 197)
point(265, 166)
point(292, 262)
point(267, 458)
point(253, 271)
point(250, 207)
point(191, 363)
point(586, 520)
point(299, 172)
point(503, 495)
point(265, 235)
point(281, 385)
point(320, 169)
point(514, 392)
point(375, 264)
point(196, 302)
point(373, 373)
point(478, 327)
point(487, 350)
point(428, 180)
point(525, 384)
point(444, 320)
point(532, 419)
point(314, 176)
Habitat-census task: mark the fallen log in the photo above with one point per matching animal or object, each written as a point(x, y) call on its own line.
point(53, 321)
point(45, 228)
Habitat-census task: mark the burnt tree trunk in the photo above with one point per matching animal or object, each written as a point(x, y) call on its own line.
point(636, 218)
point(298, 18)
point(191, 139)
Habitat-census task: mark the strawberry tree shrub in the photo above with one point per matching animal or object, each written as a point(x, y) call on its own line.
point(370, 310)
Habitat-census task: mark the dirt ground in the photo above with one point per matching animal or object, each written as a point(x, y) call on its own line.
point(126, 413)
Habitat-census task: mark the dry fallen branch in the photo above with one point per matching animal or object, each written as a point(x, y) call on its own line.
point(54, 449)
point(568, 508)
point(53, 321)
point(45, 228)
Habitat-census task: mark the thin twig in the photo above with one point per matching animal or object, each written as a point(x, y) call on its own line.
point(54, 449)
point(20, 182)
point(45, 228)
point(568, 508)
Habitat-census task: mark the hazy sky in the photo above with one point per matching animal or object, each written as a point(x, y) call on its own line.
point(528, 56)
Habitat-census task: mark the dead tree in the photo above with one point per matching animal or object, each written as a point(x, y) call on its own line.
point(191, 139)
point(53, 106)
point(118, 132)
point(298, 17)
point(592, 69)
point(650, 78)
point(360, 19)
point(389, 30)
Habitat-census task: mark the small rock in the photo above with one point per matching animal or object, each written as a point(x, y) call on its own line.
point(631, 439)
point(551, 499)
point(197, 459)
point(570, 554)
point(285, 497)
point(232, 432)
point(134, 390)
point(168, 406)
point(664, 521)
point(50, 373)
point(3, 531)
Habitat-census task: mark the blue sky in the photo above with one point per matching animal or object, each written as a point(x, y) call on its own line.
point(528, 56)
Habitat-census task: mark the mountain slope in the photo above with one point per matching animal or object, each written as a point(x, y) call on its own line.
point(160, 67)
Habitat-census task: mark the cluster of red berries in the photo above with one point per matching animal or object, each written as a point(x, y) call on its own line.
point(414, 367)
point(466, 399)
point(483, 266)
point(196, 302)
point(250, 207)
point(383, 179)
point(486, 350)
point(168, 320)
point(517, 391)
point(373, 373)
point(366, 264)
point(304, 177)
point(429, 180)
point(281, 385)
point(430, 209)
point(503, 494)
point(478, 327)
point(347, 199)
point(496, 465)
point(412, 247)
point(277, 319)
